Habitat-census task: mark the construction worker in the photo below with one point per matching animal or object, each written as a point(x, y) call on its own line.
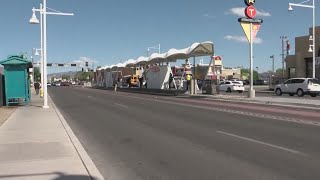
point(188, 81)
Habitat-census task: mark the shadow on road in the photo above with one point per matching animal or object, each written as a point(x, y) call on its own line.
point(60, 176)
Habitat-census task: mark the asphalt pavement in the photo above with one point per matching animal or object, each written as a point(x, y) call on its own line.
point(145, 137)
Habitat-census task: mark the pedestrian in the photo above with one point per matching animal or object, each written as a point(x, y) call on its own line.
point(37, 87)
point(170, 80)
point(129, 82)
point(141, 82)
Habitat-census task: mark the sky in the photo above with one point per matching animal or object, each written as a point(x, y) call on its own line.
point(107, 32)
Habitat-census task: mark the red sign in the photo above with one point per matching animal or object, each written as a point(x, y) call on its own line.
point(217, 58)
point(251, 12)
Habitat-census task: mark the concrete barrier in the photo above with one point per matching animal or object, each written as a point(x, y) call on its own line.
point(147, 91)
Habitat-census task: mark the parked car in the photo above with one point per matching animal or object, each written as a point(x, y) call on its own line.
point(299, 86)
point(65, 84)
point(260, 82)
point(49, 85)
point(246, 82)
point(231, 86)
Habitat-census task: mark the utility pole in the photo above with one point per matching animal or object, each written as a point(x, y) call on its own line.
point(283, 38)
point(272, 63)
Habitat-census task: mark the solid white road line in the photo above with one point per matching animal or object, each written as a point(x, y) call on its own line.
point(263, 143)
point(121, 105)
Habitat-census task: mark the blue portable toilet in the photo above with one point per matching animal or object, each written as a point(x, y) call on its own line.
point(16, 79)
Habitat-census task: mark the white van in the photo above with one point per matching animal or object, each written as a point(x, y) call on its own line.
point(299, 86)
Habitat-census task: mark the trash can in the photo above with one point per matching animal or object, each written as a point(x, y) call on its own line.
point(208, 87)
point(16, 80)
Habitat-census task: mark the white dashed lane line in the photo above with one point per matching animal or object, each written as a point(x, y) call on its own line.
point(263, 143)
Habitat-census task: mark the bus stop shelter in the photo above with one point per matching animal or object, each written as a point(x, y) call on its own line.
point(16, 80)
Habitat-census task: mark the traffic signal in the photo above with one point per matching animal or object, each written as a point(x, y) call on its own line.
point(82, 70)
point(87, 64)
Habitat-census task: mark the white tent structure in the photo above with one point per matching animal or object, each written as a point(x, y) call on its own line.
point(195, 50)
point(130, 63)
point(157, 58)
point(142, 60)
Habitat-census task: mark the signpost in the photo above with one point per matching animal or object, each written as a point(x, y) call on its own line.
point(250, 27)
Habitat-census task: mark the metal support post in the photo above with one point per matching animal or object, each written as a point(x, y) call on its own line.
point(252, 93)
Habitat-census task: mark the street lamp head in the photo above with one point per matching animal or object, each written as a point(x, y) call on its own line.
point(290, 7)
point(310, 49)
point(37, 53)
point(311, 38)
point(34, 19)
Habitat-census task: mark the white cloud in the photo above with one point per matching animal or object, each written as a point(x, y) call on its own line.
point(242, 39)
point(82, 60)
point(209, 16)
point(239, 11)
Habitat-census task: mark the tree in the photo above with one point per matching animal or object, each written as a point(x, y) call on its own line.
point(37, 75)
point(83, 76)
point(66, 76)
point(279, 71)
point(245, 73)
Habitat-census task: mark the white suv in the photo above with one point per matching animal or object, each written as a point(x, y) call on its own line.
point(230, 86)
point(299, 86)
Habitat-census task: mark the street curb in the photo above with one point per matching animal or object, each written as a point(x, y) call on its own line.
point(91, 168)
point(303, 106)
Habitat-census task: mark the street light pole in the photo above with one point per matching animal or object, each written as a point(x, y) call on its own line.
point(313, 49)
point(45, 90)
point(154, 47)
point(41, 41)
point(34, 20)
point(314, 40)
point(282, 53)
point(272, 63)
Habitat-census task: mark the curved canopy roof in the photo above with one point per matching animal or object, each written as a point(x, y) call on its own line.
point(195, 50)
point(173, 54)
point(142, 60)
point(157, 58)
point(130, 63)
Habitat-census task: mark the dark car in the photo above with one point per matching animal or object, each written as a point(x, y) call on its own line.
point(65, 84)
point(259, 82)
point(246, 82)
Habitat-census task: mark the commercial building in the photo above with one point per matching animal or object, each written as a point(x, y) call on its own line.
point(301, 63)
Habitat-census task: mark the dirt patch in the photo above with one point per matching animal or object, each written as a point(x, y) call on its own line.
point(5, 113)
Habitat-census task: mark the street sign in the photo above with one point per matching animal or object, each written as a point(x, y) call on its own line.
point(255, 30)
point(250, 12)
point(246, 30)
point(250, 2)
point(247, 20)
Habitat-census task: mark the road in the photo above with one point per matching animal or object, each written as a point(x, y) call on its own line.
point(145, 137)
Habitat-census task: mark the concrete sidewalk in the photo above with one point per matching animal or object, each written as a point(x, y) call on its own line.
point(38, 144)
